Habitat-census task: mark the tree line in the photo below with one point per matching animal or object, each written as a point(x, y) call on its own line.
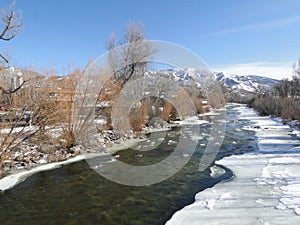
point(283, 100)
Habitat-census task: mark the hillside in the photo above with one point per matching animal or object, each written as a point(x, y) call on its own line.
point(248, 83)
point(240, 88)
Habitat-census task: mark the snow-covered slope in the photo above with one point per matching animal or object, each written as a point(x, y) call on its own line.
point(249, 83)
point(246, 83)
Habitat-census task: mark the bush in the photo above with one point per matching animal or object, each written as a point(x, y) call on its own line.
point(287, 108)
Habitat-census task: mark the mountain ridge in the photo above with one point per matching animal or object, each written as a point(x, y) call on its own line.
point(234, 82)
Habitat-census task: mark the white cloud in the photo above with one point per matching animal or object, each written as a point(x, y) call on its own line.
point(260, 26)
point(278, 70)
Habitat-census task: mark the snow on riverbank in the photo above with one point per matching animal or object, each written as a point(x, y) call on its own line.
point(16, 177)
point(191, 121)
point(13, 179)
point(266, 186)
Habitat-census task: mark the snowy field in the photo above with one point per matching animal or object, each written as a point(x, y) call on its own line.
point(266, 186)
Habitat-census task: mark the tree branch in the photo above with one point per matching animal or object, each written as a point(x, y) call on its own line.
point(11, 22)
point(4, 58)
point(14, 90)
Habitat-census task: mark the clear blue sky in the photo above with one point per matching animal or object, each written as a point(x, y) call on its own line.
point(225, 34)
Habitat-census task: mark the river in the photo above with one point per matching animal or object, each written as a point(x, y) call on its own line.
point(76, 194)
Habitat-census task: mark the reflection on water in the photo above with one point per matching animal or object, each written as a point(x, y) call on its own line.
point(76, 194)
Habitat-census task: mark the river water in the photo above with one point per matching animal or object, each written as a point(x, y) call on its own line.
point(76, 194)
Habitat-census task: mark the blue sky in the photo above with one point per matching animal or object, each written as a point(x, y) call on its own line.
point(246, 37)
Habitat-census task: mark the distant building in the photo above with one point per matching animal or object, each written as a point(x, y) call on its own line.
point(11, 77)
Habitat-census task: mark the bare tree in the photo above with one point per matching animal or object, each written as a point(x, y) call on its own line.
point(296, 68)
point(128, 57)
point(11, 23)
point(128, 60)
point(32, 117)
point(295, 83)
point(283, 88)
point(18, 101)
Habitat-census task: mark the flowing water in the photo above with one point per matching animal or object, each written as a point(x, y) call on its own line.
point(76, 194)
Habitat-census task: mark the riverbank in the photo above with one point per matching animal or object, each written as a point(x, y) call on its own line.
point(14, 177)
point(265, 188)
point(30, 160)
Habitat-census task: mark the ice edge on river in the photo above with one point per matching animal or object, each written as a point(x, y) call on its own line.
point(10, 181)
point(266, 186)
point(17, 177)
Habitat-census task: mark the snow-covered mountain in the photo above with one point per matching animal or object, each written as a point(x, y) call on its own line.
point(248, 83)
point(233, 82)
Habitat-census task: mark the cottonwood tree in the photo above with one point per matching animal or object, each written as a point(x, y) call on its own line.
point(128, 60)
point(296, 80)
point(11, 23)
point(128, 57)
point(28, 104)
point(283, 88)
point(34, 117)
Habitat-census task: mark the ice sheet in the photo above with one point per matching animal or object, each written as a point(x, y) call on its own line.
point(266, 186)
